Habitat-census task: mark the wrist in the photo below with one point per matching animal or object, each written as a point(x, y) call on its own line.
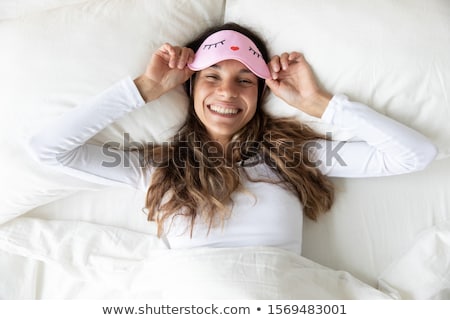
point(316, 104)
point(149, 89)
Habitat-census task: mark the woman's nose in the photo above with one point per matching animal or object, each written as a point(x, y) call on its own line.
point(228, 89)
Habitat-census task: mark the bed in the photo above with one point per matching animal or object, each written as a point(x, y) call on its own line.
point(61, 237)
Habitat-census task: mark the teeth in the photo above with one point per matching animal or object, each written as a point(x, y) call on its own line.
point(222, 110)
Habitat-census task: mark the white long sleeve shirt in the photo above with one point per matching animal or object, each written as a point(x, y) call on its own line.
point(268, 215)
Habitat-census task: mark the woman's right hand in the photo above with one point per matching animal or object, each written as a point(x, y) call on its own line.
point(166, 70)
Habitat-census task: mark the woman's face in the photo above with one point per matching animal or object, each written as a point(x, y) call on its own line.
point(225, 98)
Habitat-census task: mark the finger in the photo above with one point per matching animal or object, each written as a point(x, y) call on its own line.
point(189, 73)
point(167, 52)
point(183, 59)
point(295, 56)
point(191, 55)
point(274, 66)
point(270, 83)
point(284, 61)
point(173, 53)
point(273, 85)
point(176, 57)
point(166, 48)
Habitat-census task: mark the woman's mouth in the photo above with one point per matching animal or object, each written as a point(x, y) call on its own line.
point(223, 111)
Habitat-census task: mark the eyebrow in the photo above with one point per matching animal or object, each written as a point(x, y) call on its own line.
point(216, 66)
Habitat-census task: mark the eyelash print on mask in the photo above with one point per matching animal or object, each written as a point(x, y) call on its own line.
point(255, 53)
point(209, 46)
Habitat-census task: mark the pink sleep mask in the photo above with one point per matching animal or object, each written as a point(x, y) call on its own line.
point(226, 45)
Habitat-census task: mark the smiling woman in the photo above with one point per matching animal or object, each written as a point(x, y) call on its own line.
point(233, 176)
point(226, 128)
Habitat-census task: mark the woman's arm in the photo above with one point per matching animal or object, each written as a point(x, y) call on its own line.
point(63, 143)
point(388, 147)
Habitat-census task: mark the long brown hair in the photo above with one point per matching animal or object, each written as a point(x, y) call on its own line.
point(189, 179)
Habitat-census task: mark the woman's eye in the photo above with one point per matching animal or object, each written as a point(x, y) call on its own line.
point(211, 77)
point(245, 81)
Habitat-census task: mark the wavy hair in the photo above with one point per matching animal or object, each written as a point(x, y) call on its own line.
point(191, 179)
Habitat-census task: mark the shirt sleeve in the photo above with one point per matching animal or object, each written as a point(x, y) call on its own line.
point(386, 147)
point(63, 142)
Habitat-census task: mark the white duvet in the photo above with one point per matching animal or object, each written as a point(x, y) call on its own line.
point(48, 259)
point(84, 260)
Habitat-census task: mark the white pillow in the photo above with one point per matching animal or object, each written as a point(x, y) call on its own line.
point(423, 272)
point(11, 9)
point(53, 60)
point(391, 55)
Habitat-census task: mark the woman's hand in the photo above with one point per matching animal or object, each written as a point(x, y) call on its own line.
point(294, 82)
point(166, 70)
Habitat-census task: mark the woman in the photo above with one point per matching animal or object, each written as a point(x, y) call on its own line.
point(233, 175)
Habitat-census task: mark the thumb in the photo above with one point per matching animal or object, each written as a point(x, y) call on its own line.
point(273, 85)
point(187, 73)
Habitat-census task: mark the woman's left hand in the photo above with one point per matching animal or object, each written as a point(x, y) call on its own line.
point(294, 82)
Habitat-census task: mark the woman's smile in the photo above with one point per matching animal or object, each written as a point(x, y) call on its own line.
point(224, 110)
